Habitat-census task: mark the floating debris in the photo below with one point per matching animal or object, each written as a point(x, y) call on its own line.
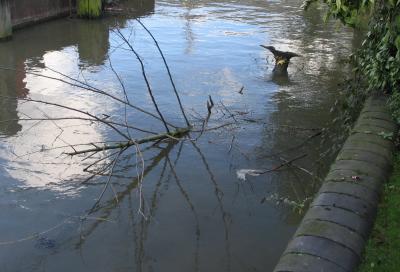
point(241, 173)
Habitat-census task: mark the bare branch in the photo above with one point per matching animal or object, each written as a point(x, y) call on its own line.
point(77, 118)
point(175, 134)
point(73, 109)
point(124, 91)
point(168, 71)
point(85, 86)
point(150, 91)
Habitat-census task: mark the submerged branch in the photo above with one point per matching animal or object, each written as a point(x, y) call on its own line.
point(241, 174)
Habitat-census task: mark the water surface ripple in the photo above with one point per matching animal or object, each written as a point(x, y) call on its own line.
point(198, 216)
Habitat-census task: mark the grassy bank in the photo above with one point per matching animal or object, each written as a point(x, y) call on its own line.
point(383, 249)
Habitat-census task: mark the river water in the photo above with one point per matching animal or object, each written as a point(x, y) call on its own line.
point(190, 212)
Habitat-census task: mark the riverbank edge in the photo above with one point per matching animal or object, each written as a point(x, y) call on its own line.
point(334, 231)
point(31, 21)
point(382, 250)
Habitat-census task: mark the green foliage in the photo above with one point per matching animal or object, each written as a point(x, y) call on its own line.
point(299, 206)
point(347, 11)
point(382, 251)
point(386, 135)
point(89, 8)
point(378, 60)
point(347, 108)
point(394, 105)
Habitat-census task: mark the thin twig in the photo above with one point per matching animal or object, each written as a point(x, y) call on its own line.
point(301, 168)
point(319, 133)
point(281, 165)
point(230, 146)
point(77, 118)
point(84, 86)
point(168, 71)
point(230, 113)
point(72, 109)
point(125, 95)
point(150, 91)
point(107, 183)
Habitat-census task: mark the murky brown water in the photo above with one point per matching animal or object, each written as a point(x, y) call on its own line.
point(199, 217)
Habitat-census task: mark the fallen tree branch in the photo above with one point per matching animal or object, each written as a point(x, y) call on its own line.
point(174, 134)
point(51, 119)
point(149, 89)
point(168, 71)
point(85, 86)
point(301, 168)
point(317, 134)
point(241, 174)
point(283, 164)
point(214, 128)
point(75, 110)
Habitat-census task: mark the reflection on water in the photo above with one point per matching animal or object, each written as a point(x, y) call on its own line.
point(197, 216)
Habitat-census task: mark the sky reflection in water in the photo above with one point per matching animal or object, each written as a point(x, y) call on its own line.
point(200, 217)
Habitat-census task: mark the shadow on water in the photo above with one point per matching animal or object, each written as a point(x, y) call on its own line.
point(280, 79)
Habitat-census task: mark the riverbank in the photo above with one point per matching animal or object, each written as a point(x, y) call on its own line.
point(335, 229)
point(382, 251)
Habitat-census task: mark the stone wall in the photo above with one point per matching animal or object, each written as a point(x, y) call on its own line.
point(25, 12)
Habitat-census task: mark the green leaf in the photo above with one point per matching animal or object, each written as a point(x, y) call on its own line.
point(386, 135)
point(339, 4)
point(397, 21)
point(397, 43)
point(327, 16)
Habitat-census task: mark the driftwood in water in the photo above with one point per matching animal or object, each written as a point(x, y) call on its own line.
point(282, 59)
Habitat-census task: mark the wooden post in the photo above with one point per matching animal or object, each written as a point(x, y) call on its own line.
point(89, 8)
point(5, 20)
